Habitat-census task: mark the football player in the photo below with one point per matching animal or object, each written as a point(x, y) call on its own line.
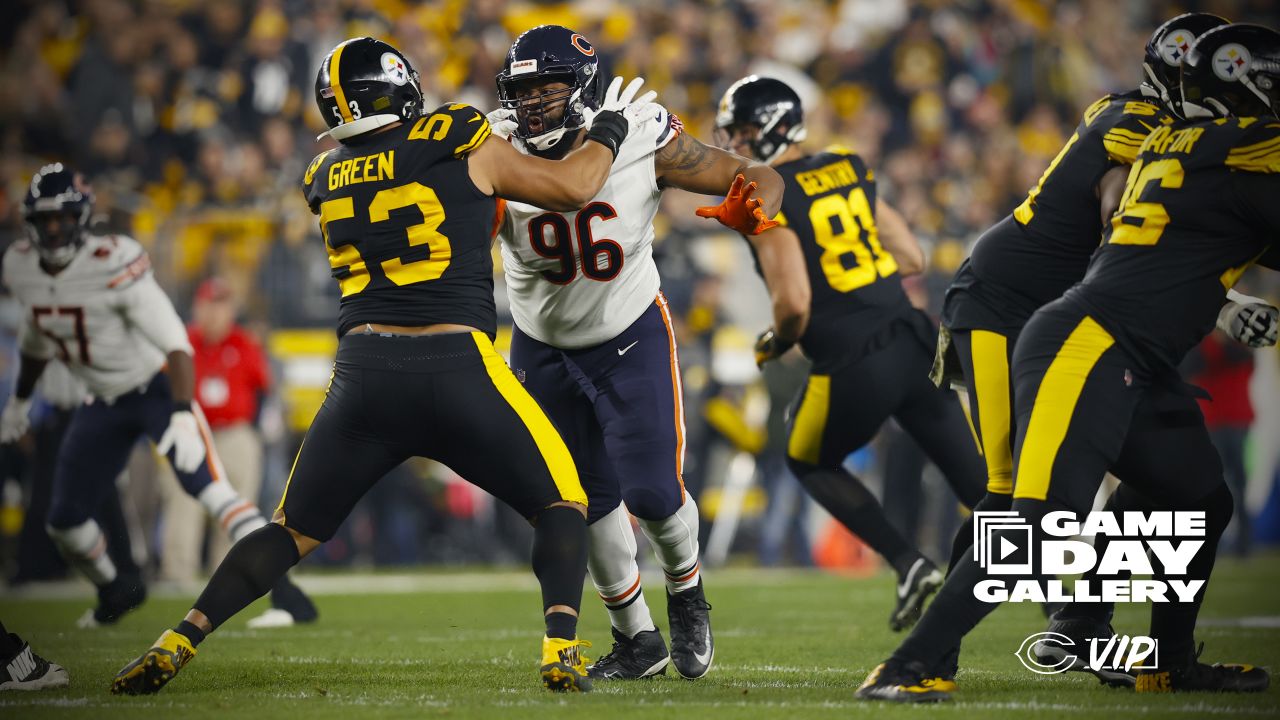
point(1198, 208)
point(406, 205)
point(1032, 257)
point(594, 337)
point(92, 302)
point(834, 272)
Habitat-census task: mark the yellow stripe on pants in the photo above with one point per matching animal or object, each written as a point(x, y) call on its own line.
point(554, 452)
point(1055, 404)
point(991, 383)
point(805, 443)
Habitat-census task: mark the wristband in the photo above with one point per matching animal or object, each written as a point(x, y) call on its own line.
point(609, 128)
point(183, 406)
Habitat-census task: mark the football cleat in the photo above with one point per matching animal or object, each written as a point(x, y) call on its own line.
point(922, 580)
point(156, 667)
point(904, 683)
point(692, 647)
point(289, 606)
point(642, 656)
point(25, 670)
point(1080, 631)
point(1196, 676)
point(564, 667)
point(115, 599)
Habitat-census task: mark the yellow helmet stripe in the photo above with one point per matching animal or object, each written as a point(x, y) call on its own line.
point(334, 83)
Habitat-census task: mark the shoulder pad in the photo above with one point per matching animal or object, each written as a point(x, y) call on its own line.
point(313, 166)
point(459, 126)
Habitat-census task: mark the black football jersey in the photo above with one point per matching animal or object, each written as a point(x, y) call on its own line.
point(1201, 204)
point(829, 202)
point(407, 232)
point(1043, 248)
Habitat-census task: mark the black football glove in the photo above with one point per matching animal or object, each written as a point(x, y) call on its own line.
point(770, 347)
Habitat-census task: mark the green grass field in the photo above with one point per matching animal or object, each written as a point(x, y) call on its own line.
point(438, 644)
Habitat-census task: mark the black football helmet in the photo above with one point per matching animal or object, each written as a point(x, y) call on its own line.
point(1165, 50)
point(1233, 70)
point(364, 84)
point(765, 108)
point(550, 53)
point(56, 212)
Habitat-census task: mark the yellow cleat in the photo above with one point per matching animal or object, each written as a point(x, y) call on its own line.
point(156, 667)
point(564, 667)
point(903, 683)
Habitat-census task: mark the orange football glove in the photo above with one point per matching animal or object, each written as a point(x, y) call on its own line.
point(740, 211)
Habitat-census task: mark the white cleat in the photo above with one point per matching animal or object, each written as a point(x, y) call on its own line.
point(272, 618)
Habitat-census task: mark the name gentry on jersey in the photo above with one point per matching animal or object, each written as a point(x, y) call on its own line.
point(829, 177)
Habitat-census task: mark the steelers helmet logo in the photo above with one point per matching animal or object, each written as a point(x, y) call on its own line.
point(1231, 62)
point(393, 65)
point(1175, 45)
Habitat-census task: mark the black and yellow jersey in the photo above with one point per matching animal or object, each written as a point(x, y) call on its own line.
point(1201, 204)
point(407, 232)
point(1043, 248)
point(829, 202)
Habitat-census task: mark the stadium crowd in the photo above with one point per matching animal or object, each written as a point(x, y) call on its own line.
point(194, 122)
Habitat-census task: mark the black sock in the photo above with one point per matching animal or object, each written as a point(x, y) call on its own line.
point(560, 562)
point(9, 645)
point(248, 571)
point(853, 505)
point(192, 633)
point(562, 625)
point(1173, 624)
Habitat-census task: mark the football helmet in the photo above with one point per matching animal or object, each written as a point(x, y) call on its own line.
point(56, 212)
point(1166, 48)
point(546, 54)
point(1233, 70)
point(365, 84)
point(765, 107)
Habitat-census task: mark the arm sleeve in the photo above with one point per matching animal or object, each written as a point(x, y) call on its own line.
point(147, 307)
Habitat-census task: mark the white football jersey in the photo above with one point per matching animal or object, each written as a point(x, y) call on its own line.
point(578, 279)
point(103, 315)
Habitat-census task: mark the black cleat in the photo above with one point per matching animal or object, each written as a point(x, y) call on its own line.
point(25, 670)
point(642, 656)
point(1196, 676)
point(115, 599)
point(904, 683)
point(922, 580)
point(692, 647)
point(289, 606)
point(1080, 631)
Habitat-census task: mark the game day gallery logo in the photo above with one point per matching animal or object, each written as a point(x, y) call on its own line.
point(1137, 543)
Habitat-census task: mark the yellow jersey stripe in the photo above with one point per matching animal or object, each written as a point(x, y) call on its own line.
point(285, 494)
point(995, 407)
point(1123, 133)
point(1055, 405)
point(805, 443)
point(479, 137)
point(336, 84)
point(550, 445)
point(1256, 148)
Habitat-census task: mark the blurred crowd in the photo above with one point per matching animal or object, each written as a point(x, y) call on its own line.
point(194, 121)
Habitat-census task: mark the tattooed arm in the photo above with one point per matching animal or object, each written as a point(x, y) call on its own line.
point(688, 164)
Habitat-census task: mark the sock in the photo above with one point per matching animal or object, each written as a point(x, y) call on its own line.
point(9, 645)
point(560, 557)
point(251, 567)
point(611, 558)
point(1123, 499)
point(192, 633)
point(1173, 624)
point(853, 505)
point(675, 543)
point(85, 547)
point(562, 625)
point(235, 515)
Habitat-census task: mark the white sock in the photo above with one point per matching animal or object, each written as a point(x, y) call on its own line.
point(85, 547)
point(611, 558)
point(675, 543)
point(235, 515)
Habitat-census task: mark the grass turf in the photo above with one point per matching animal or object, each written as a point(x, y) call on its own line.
point(439, 644)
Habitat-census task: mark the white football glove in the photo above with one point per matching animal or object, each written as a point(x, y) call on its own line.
point(502, 122)
point(621, 100)
point(183, 437)
point(15, 420)
point(1249, 321)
